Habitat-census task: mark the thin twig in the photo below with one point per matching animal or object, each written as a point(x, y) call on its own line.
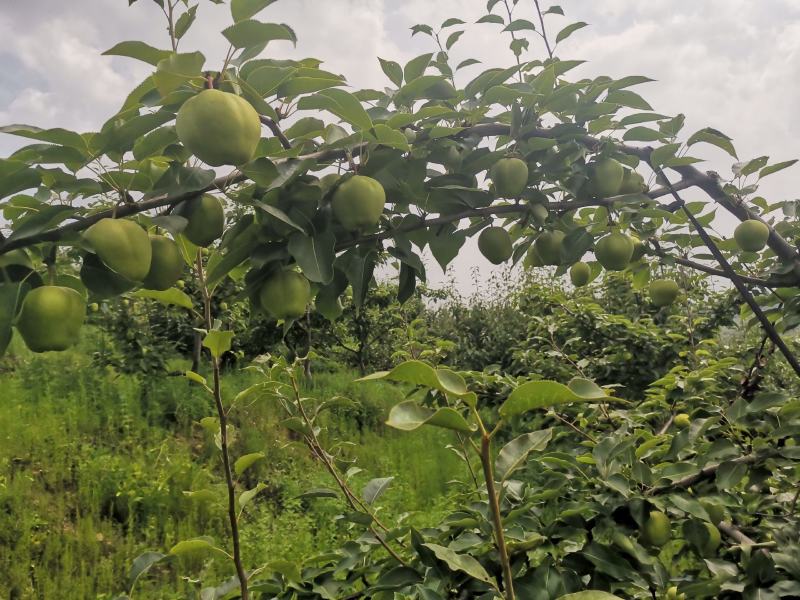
point(276, 131)
point(543, 34)
point(233, 517)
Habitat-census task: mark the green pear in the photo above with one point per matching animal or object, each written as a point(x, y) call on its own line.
point(206, 219)
point(614, 251)
point(167, 264)
point(510, 177)
point(548, 246)
point(632, 183)
point(122, 245)
point(358, 203)
point(605, 177)
point(219, 128)
point(751, 235)
point(51, 318)
point(495, 244)
point(579, 274)
point(285, 294)
point(657, 528)
point(101, 281)
point(663, 292)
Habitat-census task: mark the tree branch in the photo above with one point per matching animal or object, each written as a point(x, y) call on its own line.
point(277, 132)
point(707, 472)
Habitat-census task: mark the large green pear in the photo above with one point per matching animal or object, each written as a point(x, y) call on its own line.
point(495, 244)
point(614, 251)
point(605, 177)
point(510, 177)
point(206, 219)
point(51, 318)
point(358, 203)
point(579, 274)
point(548, 246)
point(101, 281)
point(285, 294)
point(122, 245)
point(219, 128)
point(167, 264)
point(663, 292)
point(751, 235)
point(657, 528)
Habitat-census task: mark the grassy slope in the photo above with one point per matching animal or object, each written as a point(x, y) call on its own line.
point(95, 465)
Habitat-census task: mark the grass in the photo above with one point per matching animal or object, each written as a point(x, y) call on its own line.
point(95, 466)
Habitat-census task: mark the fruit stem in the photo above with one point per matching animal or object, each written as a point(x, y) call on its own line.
point(223, 425)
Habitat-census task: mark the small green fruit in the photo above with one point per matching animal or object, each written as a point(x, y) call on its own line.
point(751, 235)
point(223, 306)
point(657, 529)
point(358, 203)
point(510, 176)
point(672, 593)
point(682, 421)
point(495, 244)
point(94, 307)
point(579, 274)
point(790, 443)
point(548, 245)
point(410, 134)
point(605, 177)
point(285, 295)
point(180, 284)
point(101, 281)
point(219, 128)
point(632, 183)
point(122, 245)
point(51, 318)
point(166, 266)
point(614, 251)
point(663, 292)
point(205, 216)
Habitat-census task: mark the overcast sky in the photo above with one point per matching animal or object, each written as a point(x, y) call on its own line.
point(728, 64)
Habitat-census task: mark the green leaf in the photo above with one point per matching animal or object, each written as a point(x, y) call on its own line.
point(392, 70)
point(170, 297)
point(141, 564)
point(462, 562)
point(10, 296)
point(245, 462)
point(421, 29)
point(420, 373)
point(713, 137)
point(185, 22)
point(547, 394)
point(318, 493)
point(139, 51)
point(416, 67)
point(244, 9)
point(660, 155)
point(62, 137)
point(775, 168)
point(247, 496)
point(628, 98)
point(452, 39)
point(342, 104)
point(375, 489)
point(195, 546)
point(177, 69)
point(590, 595)
point(642, 134)
point(408, 416)
point(44, 218)
point(569, 30)
point(515, 452)
point(249, 33)
point(450, 22)
point(395, 579)
point(520, 25)
point(386, 136)
point(196, 377)
point(218, 342)
point(491, 19)
point(314, 254)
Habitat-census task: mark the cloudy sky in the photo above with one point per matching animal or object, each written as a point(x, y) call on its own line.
point(728, 64)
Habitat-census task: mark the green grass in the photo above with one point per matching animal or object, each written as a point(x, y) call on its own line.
point(95, 466)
